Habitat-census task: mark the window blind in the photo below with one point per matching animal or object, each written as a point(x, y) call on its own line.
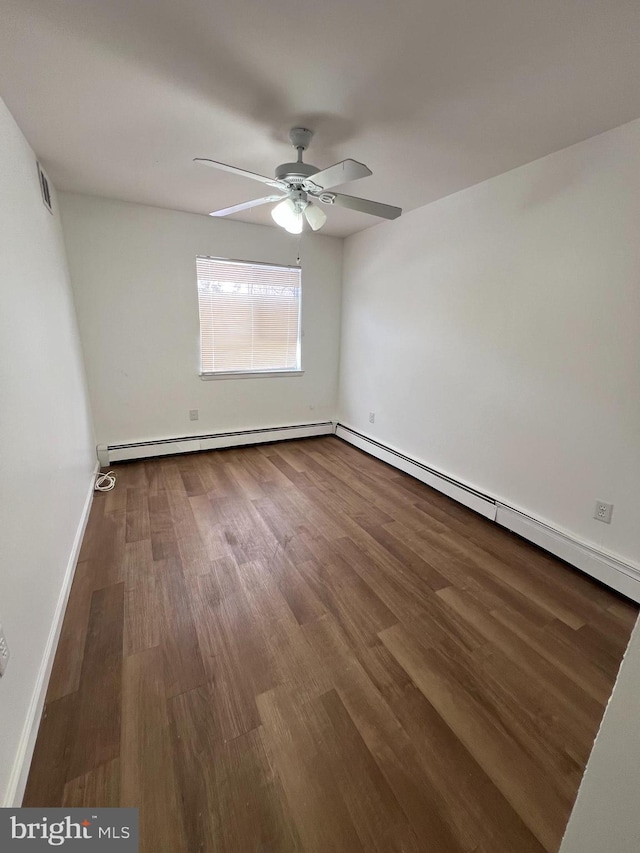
point(249, 316)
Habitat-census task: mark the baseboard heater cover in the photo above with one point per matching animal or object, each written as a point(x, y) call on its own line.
point(461, 492)
point(214, 441)
point(606, 568)
point(609, 570)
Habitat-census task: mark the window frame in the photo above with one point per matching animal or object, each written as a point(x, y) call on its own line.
point(251, 373)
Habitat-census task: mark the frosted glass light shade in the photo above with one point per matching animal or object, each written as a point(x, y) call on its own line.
point(288, 216)
point(315, 217)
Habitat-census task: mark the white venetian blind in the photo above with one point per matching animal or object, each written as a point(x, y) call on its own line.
point(249, 316)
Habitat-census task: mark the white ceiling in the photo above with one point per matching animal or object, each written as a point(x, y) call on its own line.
point(118, 96)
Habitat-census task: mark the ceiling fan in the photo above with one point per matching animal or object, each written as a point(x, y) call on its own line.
point(301, 184)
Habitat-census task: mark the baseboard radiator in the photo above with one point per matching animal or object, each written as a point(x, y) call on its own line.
point(107, 454)
point(607, 568)
point(610, 570)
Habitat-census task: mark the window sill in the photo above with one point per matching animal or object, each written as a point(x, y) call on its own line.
point(250, 374)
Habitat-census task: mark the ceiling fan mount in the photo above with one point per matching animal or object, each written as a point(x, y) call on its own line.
point(297, 173)
point(300, 137)
point(301, 184)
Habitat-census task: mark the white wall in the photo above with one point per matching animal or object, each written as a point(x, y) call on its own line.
point(605, 815)
point(47, 453)
point(496, 335)
point(133, 273)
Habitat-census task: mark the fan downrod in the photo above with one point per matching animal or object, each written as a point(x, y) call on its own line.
point(298, 172)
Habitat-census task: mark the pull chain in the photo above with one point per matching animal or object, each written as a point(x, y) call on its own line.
point(299, 241)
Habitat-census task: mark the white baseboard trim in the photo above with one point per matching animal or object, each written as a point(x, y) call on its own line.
point(22, 763)
point(216, 441)
point(461, 492)
point(611, 571)
point(615, 573)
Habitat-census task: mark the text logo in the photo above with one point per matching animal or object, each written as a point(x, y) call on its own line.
point(27, 830)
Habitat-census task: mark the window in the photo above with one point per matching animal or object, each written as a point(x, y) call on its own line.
point(249, 317)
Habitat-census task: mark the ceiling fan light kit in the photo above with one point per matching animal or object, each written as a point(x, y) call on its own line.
point(290, 212)
point(288, 215)
point(301, 184)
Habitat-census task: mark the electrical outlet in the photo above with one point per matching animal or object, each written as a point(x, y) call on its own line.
point(193, 414)
point(372, 417)
point(603, 512)
point(4, 652)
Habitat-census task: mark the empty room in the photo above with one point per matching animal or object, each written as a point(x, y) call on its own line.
point(320, 426)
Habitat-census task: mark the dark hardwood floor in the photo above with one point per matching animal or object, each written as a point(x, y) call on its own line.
point(295, 647)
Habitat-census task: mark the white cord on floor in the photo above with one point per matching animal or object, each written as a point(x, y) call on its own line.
point(105, 482)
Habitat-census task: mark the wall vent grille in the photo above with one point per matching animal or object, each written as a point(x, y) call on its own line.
point(44, 188)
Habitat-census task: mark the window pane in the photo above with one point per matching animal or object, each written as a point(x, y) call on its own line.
point(249, 316)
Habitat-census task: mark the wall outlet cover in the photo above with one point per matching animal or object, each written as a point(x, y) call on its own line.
point(193, 414)
point(603, 512)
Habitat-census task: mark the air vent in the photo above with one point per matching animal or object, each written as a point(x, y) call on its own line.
point(44, 187)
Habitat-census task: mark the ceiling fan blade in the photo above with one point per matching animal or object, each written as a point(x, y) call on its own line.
point(340, 173)
point(247, 205)
point(375, 208)
point(235, 171)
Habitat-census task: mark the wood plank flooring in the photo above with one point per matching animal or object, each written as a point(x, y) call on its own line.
point(295, 647)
